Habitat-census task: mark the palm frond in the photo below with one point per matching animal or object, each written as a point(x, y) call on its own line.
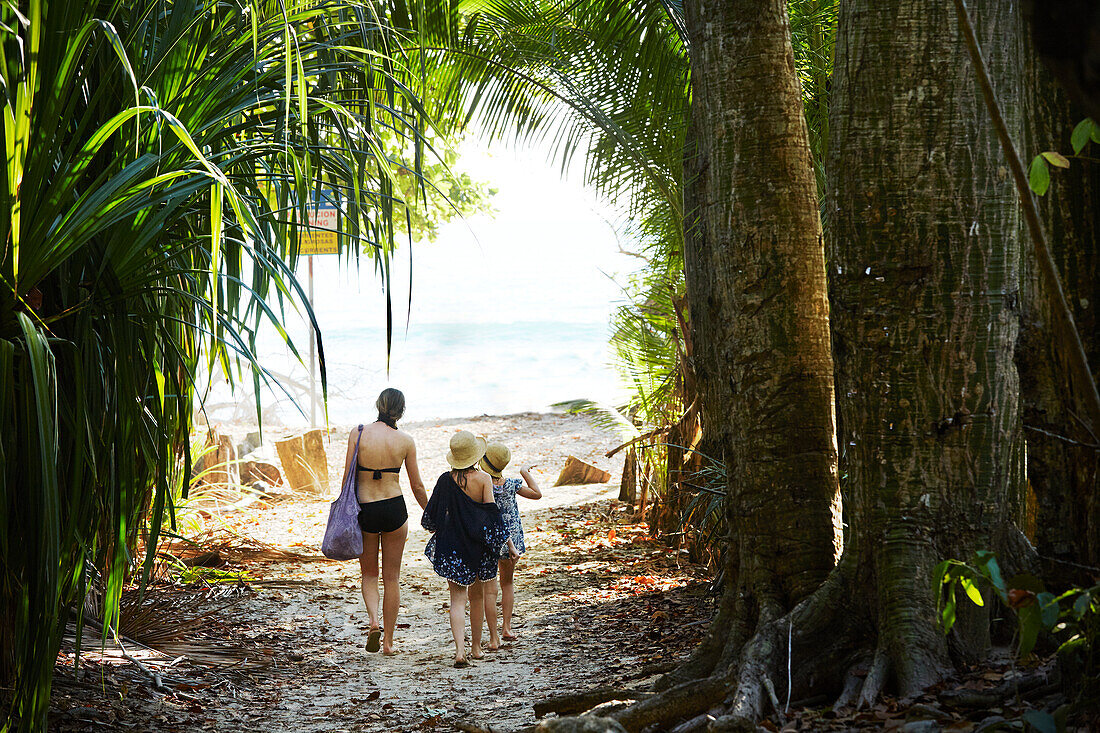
point(603, 416)
point(160, 158)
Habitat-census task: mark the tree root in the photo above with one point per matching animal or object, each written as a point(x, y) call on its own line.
point(875, 680)
point(1021, 685)
point(804, 646)
point(649, 670)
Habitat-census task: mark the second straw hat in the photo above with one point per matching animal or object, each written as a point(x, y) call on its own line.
point(466, 449)
point(496, 458)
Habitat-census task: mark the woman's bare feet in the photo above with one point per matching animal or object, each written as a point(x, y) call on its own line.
point(460, 663)
point(477, 653)
point(507, 635)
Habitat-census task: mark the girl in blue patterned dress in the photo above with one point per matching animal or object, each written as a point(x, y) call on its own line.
point(497, 456)
point(467, 533)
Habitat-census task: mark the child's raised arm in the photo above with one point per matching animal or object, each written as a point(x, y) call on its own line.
point(531, 490)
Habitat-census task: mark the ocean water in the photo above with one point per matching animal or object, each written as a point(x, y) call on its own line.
point(446, 370)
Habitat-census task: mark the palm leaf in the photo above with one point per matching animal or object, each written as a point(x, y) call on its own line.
point(160, 157)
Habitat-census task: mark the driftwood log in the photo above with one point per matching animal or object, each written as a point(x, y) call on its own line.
point(579, 702)
point(305, 463)
point(254, 469)
point(576, 472)
point(583, 724)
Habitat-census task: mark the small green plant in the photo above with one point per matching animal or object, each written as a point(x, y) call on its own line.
point(1072, 617)
point(1038, 173)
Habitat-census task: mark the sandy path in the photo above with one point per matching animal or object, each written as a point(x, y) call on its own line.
point(338, 686)
point(599, 602)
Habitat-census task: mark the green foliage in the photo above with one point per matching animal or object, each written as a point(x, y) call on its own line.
point(1072, 618)
point(158, 156)
point(603, 416)
point(1038, 174)
point(1074, 615)
point(438, 192)
point(1085, 131)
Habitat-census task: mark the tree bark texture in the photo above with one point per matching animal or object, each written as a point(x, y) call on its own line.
point(754, 263)
point(1063, 478)
point(924, 267)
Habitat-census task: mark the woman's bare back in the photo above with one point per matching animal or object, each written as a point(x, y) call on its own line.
point(381, 447)
point(478, 486)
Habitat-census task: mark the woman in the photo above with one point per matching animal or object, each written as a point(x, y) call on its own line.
point(467, 535)
point(382, 513)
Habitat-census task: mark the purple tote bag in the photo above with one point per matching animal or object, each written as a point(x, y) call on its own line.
point(343, 538)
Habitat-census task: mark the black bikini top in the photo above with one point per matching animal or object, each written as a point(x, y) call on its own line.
point(378, 471)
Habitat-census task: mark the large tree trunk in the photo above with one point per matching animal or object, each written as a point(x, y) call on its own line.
point(924, 276)
point(1063, 476)
point(925, 253)
point(924, 261)
point(755, 270)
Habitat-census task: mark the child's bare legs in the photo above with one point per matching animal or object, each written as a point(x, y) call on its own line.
point(477, 618)
point(458, 619)
point(507, 567)
point(491, 613)
point(368, 565)
point(393, 545)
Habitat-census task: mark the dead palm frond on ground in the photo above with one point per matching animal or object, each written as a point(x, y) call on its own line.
point(168, 623)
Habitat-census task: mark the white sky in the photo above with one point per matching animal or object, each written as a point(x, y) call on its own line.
point(545, 255)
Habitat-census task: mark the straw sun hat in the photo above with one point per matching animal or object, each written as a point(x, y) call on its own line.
point(466, 449)
point(495, 459)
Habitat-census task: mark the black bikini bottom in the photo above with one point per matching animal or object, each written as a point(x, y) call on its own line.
point(383, 516)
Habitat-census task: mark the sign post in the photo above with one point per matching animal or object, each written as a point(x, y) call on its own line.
point(320, 237)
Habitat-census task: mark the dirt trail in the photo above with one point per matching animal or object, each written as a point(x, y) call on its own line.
point(338, 686)
point(598, 602)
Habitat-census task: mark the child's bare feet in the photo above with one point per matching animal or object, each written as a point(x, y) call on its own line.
point(388, 650)
point(507, 635)
point(460, 663)
point(477, 653)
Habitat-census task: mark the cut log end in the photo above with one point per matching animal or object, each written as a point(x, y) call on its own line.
point(576, 472)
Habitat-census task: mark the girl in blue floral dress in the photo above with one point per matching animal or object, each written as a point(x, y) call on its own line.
point(467, 534)
point(497, 456)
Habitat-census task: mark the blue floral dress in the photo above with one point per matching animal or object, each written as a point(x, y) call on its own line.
point(505, 496)
point(466, 534)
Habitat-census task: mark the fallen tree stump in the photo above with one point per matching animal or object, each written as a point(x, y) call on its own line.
point(576, 472)
point(218, 465)
point(579, 702)
point(305, 464)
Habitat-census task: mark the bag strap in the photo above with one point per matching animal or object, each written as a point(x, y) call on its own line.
point(353, 476)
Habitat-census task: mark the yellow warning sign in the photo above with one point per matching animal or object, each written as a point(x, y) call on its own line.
point(321, 238)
